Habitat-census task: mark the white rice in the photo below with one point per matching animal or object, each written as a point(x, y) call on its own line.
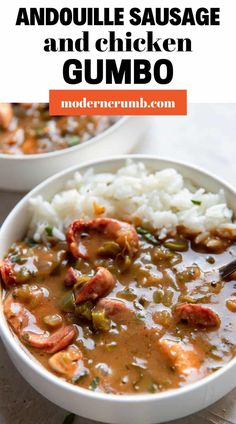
point(161, 200)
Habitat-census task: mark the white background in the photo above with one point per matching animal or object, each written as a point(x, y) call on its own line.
point(27, 72)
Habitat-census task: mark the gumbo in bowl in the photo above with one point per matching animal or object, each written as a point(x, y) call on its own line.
point(115, 287)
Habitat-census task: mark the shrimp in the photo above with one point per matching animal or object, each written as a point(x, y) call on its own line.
point(6, 273)
point(21, 319)
point(121, 232)
point(54, 342)
point(115, 309)
point(17, 315)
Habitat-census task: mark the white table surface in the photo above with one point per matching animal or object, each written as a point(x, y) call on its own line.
point(206, 137)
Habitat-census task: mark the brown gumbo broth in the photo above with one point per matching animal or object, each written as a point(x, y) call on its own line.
point(29, 129)
point(121, 317)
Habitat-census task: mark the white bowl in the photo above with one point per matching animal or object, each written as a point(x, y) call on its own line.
point(125, 409)
point(23, 172)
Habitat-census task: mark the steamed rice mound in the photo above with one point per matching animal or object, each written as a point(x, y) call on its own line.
point(160, 200)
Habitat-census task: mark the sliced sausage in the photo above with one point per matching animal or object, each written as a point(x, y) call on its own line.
point(53, 343)
point(197, 315)
point(121, 232)
point(71, 277)
point(115, 309)
point(98, 286)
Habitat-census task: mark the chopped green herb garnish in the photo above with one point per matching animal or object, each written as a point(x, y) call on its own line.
point(147, 236)
point(141, 231)
point(49, 230)
point(69, 419)
point(196, 202)
point(111, 346)
point(140, 316)
point(80, 376)
point(31, 242)
point(94, 383)
point(15, 258)
point(152, 388)
point(151, 239)
point(73, 141)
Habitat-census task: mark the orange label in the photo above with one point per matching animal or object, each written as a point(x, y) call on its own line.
point(118, 102)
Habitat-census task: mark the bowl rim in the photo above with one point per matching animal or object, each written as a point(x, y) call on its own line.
point(12, 340)
point(108, 131)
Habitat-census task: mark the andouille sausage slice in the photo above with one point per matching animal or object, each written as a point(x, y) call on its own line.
point(116, 310)
point(197, 315)
point(71, 277)
point(53, 343)
point(121, 232)
point(98, 286)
